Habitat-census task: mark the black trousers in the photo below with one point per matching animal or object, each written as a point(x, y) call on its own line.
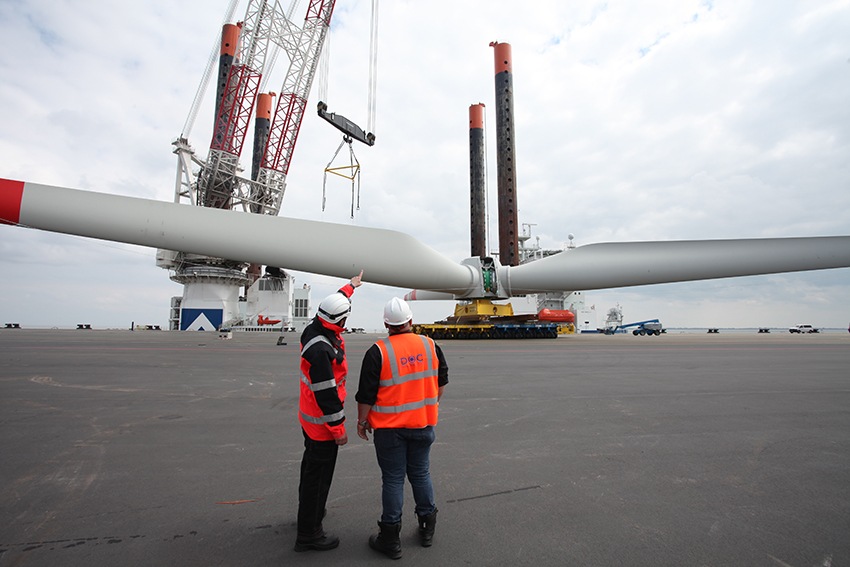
point(317, 471)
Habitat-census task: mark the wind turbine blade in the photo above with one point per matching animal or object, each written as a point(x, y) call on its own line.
point(608, 265)
point(385, 256)
point(425, 295)
point(394, 258)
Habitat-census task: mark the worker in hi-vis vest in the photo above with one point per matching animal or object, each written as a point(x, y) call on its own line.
point(323, 372)
point(401, 382)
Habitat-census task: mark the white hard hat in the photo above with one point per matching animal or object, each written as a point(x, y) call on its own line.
point(397, 312)
point(334, 308)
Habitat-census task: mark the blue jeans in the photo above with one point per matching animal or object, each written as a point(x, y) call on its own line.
point(400, 452)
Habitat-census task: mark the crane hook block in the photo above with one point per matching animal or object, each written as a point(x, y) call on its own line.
point(346, 126)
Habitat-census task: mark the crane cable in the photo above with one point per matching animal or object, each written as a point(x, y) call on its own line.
point(373, 68)
point(353, 169)
point(324, 65)
point(205, 80)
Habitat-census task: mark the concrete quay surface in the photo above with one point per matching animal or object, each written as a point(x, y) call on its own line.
point(168, 448)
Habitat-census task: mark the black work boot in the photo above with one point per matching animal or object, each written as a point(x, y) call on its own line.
point(426, 527)
point(320, 541)
point(387, 540)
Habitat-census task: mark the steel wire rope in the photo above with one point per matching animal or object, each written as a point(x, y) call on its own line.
point(373, 69)
point(205, 79)
point(324, 69)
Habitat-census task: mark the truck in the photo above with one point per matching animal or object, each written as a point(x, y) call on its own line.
point(803, 329)
point(650, 327)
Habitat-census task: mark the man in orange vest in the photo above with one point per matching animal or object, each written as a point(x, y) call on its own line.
point(401, 382)
point(323, 372)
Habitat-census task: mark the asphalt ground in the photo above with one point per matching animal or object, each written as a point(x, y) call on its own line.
point(168, 448)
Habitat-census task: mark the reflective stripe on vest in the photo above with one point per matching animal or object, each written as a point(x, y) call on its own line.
point(323, 419)
point(405, 407)
point(318, 339)
point(407, 393)
point(332, 383)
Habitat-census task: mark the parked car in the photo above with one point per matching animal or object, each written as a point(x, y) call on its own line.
point(803, 329)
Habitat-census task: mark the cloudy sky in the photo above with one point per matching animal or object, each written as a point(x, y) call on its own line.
point(658, 120)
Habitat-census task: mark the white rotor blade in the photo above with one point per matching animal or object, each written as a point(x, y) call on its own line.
point(386, 257)
point(608, 265)
point(425, 295)
point(394, 258)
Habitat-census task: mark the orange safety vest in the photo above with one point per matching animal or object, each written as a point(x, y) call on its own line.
point(408, 390)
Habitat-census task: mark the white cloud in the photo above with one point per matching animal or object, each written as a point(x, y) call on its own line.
point(657, 120)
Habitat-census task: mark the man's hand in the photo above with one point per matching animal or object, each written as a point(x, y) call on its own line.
point(362, 429)
point(357, 281)
point(342, 440)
